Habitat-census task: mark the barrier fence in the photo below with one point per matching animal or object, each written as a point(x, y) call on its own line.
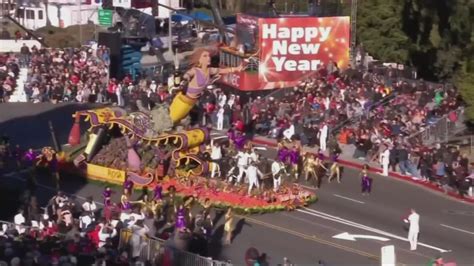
point(156, 252)
point(442, 129)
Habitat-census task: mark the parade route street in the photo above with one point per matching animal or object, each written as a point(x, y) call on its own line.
point(307, 235)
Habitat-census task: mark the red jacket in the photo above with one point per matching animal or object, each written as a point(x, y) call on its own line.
point(112, 88)
point(94, 236)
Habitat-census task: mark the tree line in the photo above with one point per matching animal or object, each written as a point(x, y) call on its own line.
point(434, 36)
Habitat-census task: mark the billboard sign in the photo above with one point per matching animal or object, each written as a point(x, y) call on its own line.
point(105, 17)
point(294, 47)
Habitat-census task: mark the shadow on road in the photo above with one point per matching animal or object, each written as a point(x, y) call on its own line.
point(238, 228)
point(26, 124)
point(215, 245)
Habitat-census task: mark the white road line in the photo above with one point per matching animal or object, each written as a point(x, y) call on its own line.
point(457, 229)
point(346, 198)
point(363, 227)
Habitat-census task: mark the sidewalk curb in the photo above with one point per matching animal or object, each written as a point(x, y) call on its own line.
point(378, 170)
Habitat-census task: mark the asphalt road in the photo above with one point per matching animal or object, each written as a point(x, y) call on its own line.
point(307, 235)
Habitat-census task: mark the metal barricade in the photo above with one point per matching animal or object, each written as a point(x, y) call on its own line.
point(368, 112)
point(155, 251)
point(441, 131)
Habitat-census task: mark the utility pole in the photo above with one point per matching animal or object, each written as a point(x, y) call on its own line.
point(218, 19)
point(80, 23)
point(170, 29)
point(353, 32)
point(154, 8)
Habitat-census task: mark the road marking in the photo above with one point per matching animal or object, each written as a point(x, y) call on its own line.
point(312, 238)
point(363, 227)
point(457, 229)
point(342, 197)
point(347, 236)
point(459, 212)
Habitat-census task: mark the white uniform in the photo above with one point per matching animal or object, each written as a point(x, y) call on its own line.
point(253, 173)
point(414, 220)
point(242, 164)
point(84, 221)
point(231, 101)
point(323, 138)
point(276, 173)
point(103, 236)
point(253, 157)
point(89, 207)
point(220, 119)
point(385, 161)
point(216, 155)
point(289, 132)
point(222, 99)
point(19, 220)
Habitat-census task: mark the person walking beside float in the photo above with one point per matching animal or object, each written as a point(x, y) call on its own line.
point(228, 226)
point(278, 170)
point(366, 181)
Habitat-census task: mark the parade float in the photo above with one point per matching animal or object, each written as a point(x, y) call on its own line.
point(119, 145)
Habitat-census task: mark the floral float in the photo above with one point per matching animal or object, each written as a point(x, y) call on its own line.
point(122, 145)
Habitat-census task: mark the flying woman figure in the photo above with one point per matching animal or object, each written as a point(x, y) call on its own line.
point(197, 78)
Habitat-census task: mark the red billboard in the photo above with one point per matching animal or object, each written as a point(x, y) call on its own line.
point(294, 47)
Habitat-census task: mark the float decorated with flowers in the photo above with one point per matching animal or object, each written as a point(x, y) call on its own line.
point(120, 145)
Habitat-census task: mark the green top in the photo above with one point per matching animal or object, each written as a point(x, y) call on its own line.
point(438, 98)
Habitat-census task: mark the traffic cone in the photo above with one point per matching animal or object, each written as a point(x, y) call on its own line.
point(75, 134)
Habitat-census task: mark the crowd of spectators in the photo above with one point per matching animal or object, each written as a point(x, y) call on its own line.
point(369, 112)
point(58, 75)
point(9, 70)
point(70, 231)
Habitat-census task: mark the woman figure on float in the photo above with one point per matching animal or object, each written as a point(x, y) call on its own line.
point(198, 78)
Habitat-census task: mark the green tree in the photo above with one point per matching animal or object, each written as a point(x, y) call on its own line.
point(437, 37)
point(379, 30)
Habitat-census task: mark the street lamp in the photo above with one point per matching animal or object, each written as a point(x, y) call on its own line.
point(170, 30)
